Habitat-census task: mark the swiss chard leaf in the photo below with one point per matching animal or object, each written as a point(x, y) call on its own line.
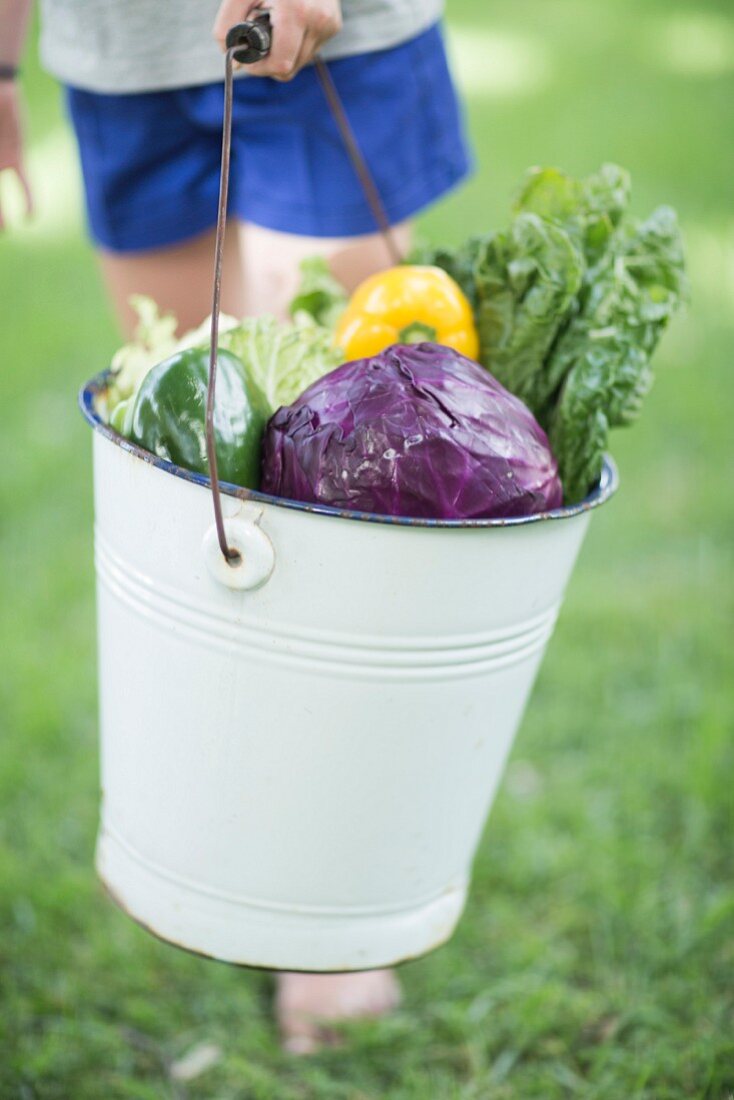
point(527, 278)
point(460, 263)
point(604, 354)
point(589, 210)
point(580, 423)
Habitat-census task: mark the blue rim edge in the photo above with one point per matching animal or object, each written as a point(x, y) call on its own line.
point(608, 482)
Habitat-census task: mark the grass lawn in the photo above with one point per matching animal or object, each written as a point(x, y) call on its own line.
point(596, 957)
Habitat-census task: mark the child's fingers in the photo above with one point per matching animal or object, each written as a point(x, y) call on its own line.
point(288, 35)
point(231, 12)
point(309, 48)
point(298, 61)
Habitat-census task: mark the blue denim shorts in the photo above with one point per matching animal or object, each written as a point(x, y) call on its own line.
point(150, 161)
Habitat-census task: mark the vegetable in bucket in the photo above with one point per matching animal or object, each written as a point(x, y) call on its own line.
point(418, 430)
point(407, 305)
point(570, 303)
point(281, 359)
point(563, 309)
point(168, 412)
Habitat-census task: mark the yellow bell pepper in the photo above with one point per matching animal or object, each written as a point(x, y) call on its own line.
point(407, 305)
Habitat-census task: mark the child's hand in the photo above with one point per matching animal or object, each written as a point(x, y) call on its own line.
point(11, 140)
point(300, 28)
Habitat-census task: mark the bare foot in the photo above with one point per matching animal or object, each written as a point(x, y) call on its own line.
point(305, 1004)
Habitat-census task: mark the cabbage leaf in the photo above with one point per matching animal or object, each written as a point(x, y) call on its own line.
point(283, 359)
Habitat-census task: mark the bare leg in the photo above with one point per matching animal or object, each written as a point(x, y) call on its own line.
point(271, 261)
point(178, 278)
point(260, 272)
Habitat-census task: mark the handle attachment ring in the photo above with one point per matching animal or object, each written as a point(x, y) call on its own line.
point(252, 555)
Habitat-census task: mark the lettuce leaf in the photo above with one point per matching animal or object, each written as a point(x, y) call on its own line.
point(154, 340)
point(283, 359)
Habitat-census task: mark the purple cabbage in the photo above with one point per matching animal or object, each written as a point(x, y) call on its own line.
point(419, 431)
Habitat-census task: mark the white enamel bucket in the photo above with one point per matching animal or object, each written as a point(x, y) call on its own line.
point(296, 772)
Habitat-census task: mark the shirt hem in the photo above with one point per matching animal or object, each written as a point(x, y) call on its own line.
point(197, 67)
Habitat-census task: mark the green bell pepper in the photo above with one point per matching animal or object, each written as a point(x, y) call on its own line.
point(169, 415)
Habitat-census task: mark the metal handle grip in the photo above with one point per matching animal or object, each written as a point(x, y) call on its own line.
point(251, 41)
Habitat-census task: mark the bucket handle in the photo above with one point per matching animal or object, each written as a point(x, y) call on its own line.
point(247, 43)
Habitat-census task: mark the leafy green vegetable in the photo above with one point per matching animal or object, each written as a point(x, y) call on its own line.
point(604, 354)
point(154, 340)
point(580, 423)
point(589, 210)
point(283, 359)
point(459, 263)
point(319, 295)
point(570, 303)
point(120, 416)
point(526, 279)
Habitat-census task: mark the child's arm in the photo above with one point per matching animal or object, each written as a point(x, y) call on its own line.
point(13, 25)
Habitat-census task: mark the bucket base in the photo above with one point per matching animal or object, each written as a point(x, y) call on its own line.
point(276, 937)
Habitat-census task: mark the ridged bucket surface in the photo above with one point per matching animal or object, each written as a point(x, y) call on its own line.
point(296, 772)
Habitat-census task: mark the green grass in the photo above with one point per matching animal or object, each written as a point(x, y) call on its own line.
point(596, 955)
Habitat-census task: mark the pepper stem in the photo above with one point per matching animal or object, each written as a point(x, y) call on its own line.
point(416, 332)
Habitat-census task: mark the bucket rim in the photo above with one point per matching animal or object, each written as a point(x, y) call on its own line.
point(90, 391)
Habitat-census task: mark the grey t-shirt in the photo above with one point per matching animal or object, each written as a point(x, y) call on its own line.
point(146, 45)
